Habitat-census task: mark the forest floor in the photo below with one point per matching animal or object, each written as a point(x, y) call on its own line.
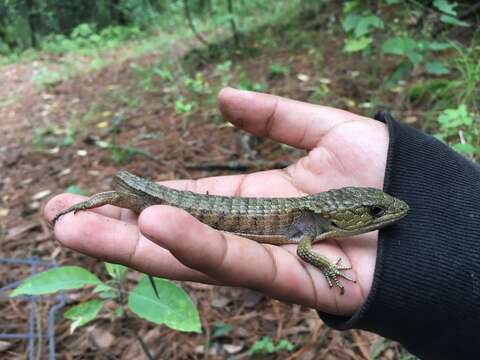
point(155, 115)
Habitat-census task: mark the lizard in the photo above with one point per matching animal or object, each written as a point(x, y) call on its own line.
point(293, 220)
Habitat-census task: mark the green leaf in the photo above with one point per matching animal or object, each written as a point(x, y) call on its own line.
point(53, 280)
point(447, 19)
point(350, 22)
point(466, 149)
point(365, 24)
point(116, 271)
point(263, 346)
point(361, 25)
point(436, 68)
point(285, 345)
point(102, 288)
point(438, 46)
point(83, 313)
point(446, 7)
point(455, 118)
point(354, 45)
point(173, 307)
point(415, 57)
point(75, 189)
point(399, 45)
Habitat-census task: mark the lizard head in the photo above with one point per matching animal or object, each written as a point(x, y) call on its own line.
point(354, 210)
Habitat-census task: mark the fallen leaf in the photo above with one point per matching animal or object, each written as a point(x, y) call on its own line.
point(232, 348)
point(303, 77)
point(102, 124)
point(102, 337)
point(41, 195)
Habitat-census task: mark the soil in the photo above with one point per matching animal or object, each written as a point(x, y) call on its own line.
point(39, 159)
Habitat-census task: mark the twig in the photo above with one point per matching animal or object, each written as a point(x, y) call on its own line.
point(192, 25)
point(233, 26)
point(144, 346)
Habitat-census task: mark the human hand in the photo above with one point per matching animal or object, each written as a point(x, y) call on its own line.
point(344, 150)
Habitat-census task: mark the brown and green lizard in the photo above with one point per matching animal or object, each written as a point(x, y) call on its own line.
point(295, 220)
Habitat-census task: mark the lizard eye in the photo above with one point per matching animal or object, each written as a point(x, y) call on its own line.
point(376, 211)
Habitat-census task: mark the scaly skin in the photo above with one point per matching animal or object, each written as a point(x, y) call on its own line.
point(302, 220)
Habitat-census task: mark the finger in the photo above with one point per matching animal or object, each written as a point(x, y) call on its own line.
point(117, 241)
point(236, 261)
point(288, 121)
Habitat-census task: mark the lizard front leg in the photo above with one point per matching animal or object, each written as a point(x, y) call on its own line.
point(331, 270)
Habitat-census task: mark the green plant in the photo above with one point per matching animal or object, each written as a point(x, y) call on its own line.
point(268, 346)
point(467, 64)
point(416, 51)
point(244, 83)
point(86, 39)
point(278, 70)
point(359, 27)
point(198, 84)
point(55, 136)
point(224, 71)
point(172, 308)
point(183, 107)
point(461, 129)
point(47, 78)
point(120, 153)
point(368, 32)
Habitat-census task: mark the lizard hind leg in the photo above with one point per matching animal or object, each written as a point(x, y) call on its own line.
point(332, 271)
point(104, 198)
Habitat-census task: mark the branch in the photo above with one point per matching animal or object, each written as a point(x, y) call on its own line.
point(192, 25)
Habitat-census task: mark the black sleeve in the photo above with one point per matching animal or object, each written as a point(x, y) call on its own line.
point(426, 287)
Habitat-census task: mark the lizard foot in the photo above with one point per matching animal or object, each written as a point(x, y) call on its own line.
point(334, 271)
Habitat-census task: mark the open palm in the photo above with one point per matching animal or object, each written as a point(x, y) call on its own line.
point(344, 150)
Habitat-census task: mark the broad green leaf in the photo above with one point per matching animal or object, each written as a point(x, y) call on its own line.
point(350, 22)
point(354, 45)
point(438, 46)
point(454, 118)
point(116, 271)
point(102, 287)
point(361, 25)
point(399, 45)
point(436, 68)
point(447, 19)
point(53, 280)
point(365, 23)
point(393, 2)
point(173, 307)
point(466, 149)
point(83, 313)
point(446, 7)
point(415, 57)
